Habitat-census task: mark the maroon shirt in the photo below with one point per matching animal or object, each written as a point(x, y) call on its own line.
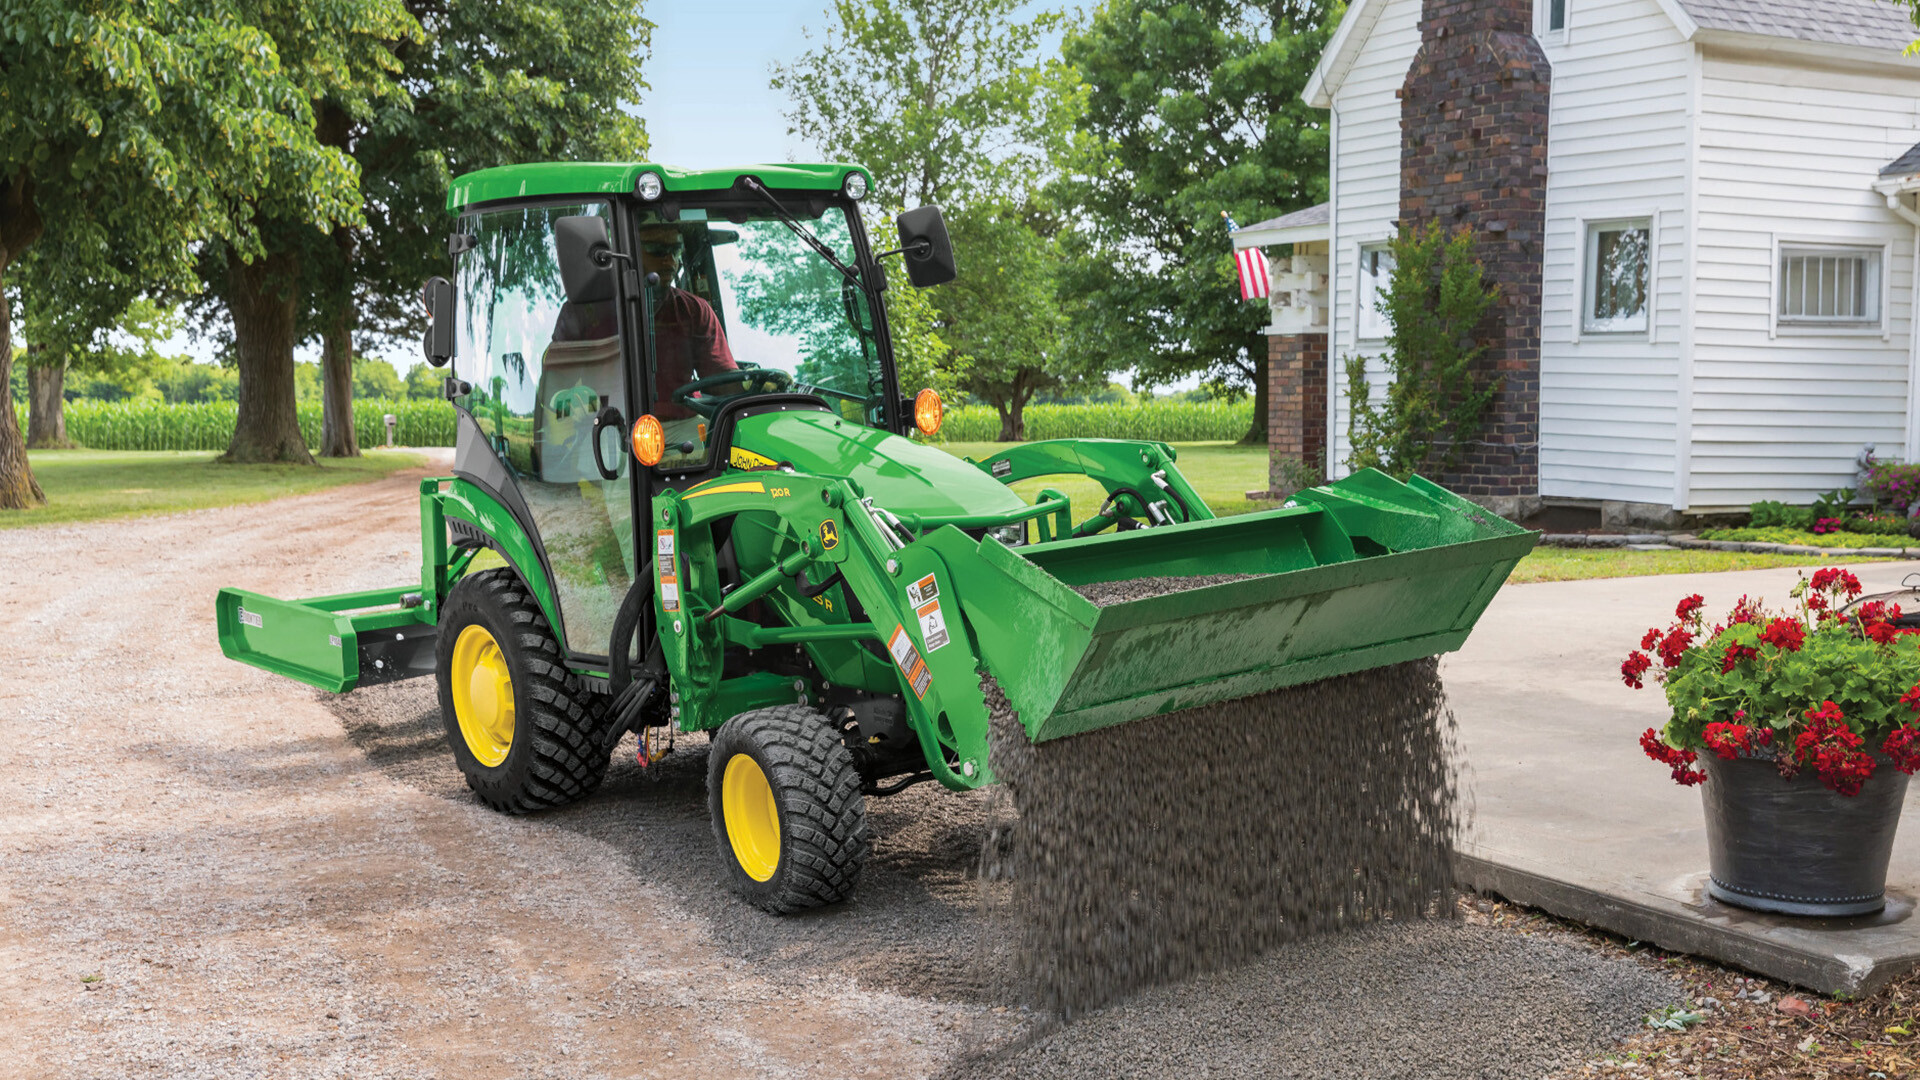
point(688, 343)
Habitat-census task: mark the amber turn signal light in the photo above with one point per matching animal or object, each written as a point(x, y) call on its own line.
point(927, 411)
point(649, 440)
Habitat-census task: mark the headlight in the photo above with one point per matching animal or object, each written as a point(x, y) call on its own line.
point(1011, 535)
point(648, 186)
point(855, 186)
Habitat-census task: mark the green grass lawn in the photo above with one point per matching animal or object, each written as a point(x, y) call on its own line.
point(85, 485)
point(1571, 564)
point(1222, 472)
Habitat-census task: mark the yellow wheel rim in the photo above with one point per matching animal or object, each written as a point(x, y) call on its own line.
point(482, 695)
point(753, 819)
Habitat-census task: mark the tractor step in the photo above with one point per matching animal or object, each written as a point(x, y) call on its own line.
point(333, 642)
point(1359, 574)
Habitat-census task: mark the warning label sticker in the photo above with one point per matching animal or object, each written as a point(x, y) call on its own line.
point(1002, 467)
point(667, 569)
point(250, 618)
point(905, 655)
point(923, 590)
point(933, 625)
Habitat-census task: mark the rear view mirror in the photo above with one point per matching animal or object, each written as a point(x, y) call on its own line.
point(929, 252)
point(437, 295)
point(586, 258)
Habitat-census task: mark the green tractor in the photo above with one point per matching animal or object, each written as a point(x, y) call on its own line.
point(682, 437)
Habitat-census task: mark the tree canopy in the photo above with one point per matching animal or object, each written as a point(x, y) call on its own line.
point(1193, 107)
point(132, 134)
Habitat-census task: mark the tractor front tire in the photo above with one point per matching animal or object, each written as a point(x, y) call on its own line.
point(525, 733)
point(787, 809)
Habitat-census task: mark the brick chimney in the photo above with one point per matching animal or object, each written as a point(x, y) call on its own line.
point(1473, 152)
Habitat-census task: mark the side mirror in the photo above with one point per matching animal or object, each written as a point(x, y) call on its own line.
point(586, 258)
point(929, 251)
point(437, 295)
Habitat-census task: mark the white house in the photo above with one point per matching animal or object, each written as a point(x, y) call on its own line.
point(1721, 249)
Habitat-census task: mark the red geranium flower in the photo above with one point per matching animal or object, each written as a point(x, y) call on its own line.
point(1635, 665)
point(1786, 634)
point(1674, 647)
point(1690, 607)
point(1735, 654)
point(1680, 761)
point(1730, 741)
point(1903, 746)
point(1911, 699)
point(1652, 639)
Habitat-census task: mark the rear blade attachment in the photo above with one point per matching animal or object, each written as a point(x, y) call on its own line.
point(333, 642)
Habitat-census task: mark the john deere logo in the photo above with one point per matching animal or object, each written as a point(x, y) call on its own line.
point(829, 536)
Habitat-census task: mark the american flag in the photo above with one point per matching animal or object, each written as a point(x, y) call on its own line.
point(1252, 264)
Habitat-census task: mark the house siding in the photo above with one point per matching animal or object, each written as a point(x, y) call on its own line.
point(1617, 147)
point(1791, 154)
point(1366, 185)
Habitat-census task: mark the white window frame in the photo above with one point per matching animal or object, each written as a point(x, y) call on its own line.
point(1590, 274)
point(1543, 17)
point(1779, 325)
point(1368, 323)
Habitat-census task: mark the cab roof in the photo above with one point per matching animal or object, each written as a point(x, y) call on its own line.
point(617, 177)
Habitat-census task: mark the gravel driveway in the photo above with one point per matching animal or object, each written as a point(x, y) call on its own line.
point(206, 870)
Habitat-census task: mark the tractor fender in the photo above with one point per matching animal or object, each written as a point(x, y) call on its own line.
point(464, 501)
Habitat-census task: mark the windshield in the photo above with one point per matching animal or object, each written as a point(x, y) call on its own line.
point(741, 305)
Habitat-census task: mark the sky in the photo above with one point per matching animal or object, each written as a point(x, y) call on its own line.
point(708, 104)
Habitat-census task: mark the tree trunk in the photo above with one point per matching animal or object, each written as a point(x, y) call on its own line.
point(1257, 433)
point(19, 226)
point(46, 403)
point(262, 299)
point(337, 437)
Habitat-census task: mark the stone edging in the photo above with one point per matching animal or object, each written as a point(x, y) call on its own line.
point(1687, 540)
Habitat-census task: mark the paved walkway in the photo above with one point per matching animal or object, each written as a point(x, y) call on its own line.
point(1570, 816)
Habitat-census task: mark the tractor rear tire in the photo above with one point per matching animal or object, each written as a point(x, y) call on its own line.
point(525, 732)
point(787, 809)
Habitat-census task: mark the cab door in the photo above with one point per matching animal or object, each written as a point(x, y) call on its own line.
point(549, 380)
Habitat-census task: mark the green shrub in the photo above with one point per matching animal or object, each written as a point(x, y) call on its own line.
point(1877, 524)
point(1799, 536)
point(1767, 514)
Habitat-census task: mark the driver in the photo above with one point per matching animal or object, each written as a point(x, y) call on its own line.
point(688, 340)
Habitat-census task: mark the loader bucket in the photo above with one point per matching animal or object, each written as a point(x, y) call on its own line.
point(1362, 573)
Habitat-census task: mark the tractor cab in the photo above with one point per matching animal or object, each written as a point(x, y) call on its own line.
point(603, 347)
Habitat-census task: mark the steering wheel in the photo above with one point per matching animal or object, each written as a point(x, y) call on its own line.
point(772, 379)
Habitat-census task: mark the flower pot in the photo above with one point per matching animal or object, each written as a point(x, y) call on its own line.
point(1794, 846)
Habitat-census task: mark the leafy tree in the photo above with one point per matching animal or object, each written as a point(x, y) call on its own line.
point(1434, 304)
point(189, 383)
point(374, 378)
point(1003, 314)
point(1192, 108)
point(939, 98)
point(134, 133)
point(341, 53)
point(489, 84)
point(424, 382)
point(120, 363)
point(953, 102)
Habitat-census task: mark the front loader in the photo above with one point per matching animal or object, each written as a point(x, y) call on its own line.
point(681, 438)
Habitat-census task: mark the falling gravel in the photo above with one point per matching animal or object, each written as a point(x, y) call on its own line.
point(1172, 846)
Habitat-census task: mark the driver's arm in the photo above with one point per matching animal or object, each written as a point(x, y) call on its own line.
point(717, 356)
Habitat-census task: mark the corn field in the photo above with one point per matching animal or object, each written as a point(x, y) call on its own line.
point(152, 425)
point(1162, 421)
point(147, 425)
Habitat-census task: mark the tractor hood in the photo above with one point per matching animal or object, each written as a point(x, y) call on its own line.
point(901, 475)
